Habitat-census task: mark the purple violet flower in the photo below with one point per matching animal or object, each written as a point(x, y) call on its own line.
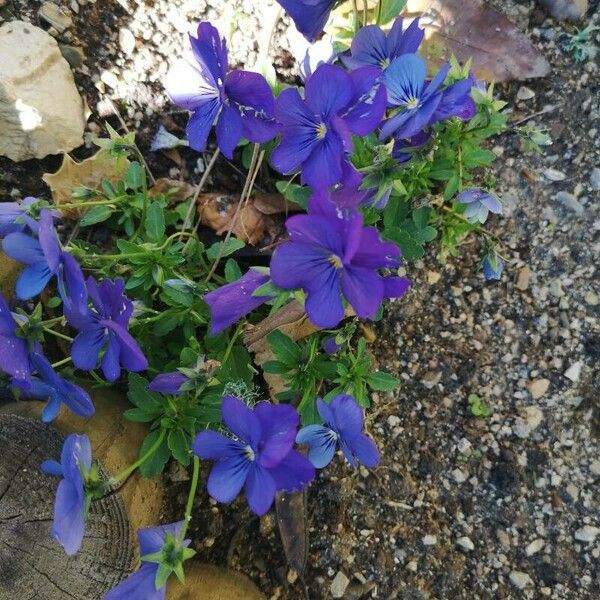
point(168, 383)
point(316, 130)
point(479, 204)
point(333, 258)
point(261, 459)
point(14, 351)
point(343, 427)
point(456, 101)
point(14, 217)
point(372, 46)
point(72, 499)
point(241, 102)
point(141, 585)
point(51, 386)
point(105, 327)
point(44, 259)
point(492, 266)
point(229, 303)
point(405, 80)
point(331, 346)
point(309, 16)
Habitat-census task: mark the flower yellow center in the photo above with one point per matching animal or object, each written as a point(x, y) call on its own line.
point(321, 131)
point(335, 260)
point(249, 453)
point(412, 103)
point(384, 63)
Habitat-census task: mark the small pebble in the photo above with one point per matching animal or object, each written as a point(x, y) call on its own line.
point(534, 547)
point(538, 387)
point(587, 534)
point(525, 93)
point(465, 543)
point(429, 540)
point(339, 585)
point(595, 179)
point(520, 580)
point(574, 372)
point(554, 175)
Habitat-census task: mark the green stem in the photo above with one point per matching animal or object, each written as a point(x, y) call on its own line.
point(190, 501)
point(125, 473)
point(93, 203)
point(62, 362)
point(52, 321)
point(365, 13)
point(231, 343)
point(379, 8)
point(57, 334)
point(355, 13)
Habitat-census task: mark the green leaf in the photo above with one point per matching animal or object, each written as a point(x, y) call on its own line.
point(284, 348)
point(179, 445)
point(97, 214)
point(135, 176)
point(383, 382)
point(54, 302)
point(140, 415)
point(155, 222)
point(275, 367)
point(294, 193)
point(138, 394)
point(155, 464)
point(232, 271)
point(232, 245)
point(390, 9)
point(237, 366)
point(410, 247)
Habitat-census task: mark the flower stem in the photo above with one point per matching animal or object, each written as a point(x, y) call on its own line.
point(190, 501)
point(57, 334)
point(355, 14)
point(365, 13)
point(125, 473)
point(379, 8)
point(62, 362)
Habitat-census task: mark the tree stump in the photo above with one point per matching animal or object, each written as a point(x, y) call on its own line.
point(32, 564)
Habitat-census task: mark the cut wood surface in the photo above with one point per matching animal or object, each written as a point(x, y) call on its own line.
point(32, 564)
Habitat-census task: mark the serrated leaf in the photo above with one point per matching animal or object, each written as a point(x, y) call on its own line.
point(155, 221)
point(232, 245)
point(155, 464)
point(284, 348)
point(390, 9)
point(383, 382)
point(140, 415)
point(179, 445)
point(275, 367)
point(138, 394)
point(135, 176)
point(97, 214)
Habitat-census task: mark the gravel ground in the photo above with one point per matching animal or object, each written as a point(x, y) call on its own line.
point(503, 506)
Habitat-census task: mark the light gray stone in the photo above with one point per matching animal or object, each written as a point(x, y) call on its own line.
point(339, 585)
point(41, 112)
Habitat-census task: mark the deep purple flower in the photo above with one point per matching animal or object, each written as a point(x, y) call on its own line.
point(479, 204)
point(372, 46)
point(44, 259)
point(343, 427)
point(104, 327)
point(72, 501)
point(405, 80)
point(14, 351)
point(141, 585)
point(261, 459)
point(168, 383)
point(492, 266)
point(51, 386)
point(316, 130)
point(241, 102)
point(456, 101)
point(331, 346)
point(331, 258)
point(229, 303)
point(401, 150)
point(14, 216)
point(309, 16)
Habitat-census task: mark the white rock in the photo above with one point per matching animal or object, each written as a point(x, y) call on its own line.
point(429, 540)
point(595, 467)
point(52, 14)
point(531, 419)
point(587, 534)
point(339, 585)
point(459, 476)
point(465, 543)
point(534, 547)
point(595, 179)
point(393, 421)
point(520, 580)
point(573, 372)
point(554, 175)
point(525, 93)
point(41, 112)
point(126, 40)
point(109, 78)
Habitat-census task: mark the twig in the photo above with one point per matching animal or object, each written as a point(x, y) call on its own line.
point(246, 192)
point(199, 188)
point(545, 110)
point(124, 125)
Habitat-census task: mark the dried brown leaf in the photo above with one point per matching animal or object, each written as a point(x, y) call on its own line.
point(175, 190)
point(293, 528)
point(89, 173)
point(469, 28)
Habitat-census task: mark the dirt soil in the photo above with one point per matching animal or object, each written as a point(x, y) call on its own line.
point(462, 507)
